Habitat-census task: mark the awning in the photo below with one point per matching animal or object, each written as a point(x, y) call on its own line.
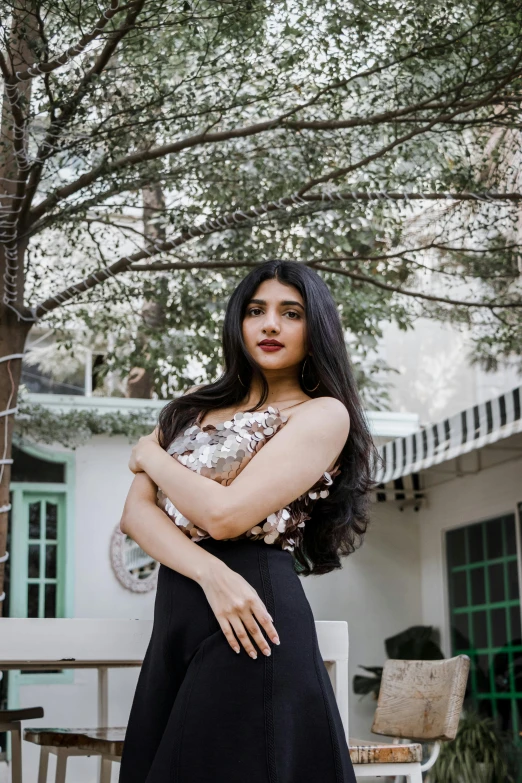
point(404, 491)
point(470, 429)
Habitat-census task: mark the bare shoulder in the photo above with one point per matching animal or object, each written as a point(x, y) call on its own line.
point(325, 412)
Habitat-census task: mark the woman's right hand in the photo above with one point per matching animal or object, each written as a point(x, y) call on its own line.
point(237, 606)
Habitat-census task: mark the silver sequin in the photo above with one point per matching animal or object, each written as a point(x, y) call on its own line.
point(221, 452)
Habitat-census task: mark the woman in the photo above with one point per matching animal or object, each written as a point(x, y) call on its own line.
point(243, 530)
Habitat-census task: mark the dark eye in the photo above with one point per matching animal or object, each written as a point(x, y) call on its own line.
point(293, 312)
point(252, 310)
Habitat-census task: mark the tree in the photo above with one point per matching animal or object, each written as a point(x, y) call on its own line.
point(311, 130)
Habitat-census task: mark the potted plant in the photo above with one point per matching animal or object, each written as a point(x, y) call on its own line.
point(476, 755)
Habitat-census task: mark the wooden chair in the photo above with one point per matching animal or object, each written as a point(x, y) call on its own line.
point(63, 743)
point(11, 720)
point(418, 700)
point(106, 643)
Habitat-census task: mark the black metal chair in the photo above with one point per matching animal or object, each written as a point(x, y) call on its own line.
point(11, 720)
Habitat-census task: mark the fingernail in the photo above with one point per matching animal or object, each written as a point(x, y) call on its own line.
point(253, 654)
point(275, 640)
point(236, 649)
point(267, 652)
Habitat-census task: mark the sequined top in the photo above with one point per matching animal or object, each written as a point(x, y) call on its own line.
point(221, 451)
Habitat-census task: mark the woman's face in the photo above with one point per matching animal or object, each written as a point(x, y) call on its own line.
point(276, 312)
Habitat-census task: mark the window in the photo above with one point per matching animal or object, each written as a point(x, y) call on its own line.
point(31, 468)
point(42, 580)
point(485, 615)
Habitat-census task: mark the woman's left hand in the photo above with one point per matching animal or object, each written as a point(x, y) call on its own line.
point(139, 450)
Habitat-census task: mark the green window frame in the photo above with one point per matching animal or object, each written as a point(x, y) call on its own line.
point(483, 577)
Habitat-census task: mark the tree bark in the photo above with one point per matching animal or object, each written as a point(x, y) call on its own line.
point(140, 383)
point(23, 42)
point(13, 334)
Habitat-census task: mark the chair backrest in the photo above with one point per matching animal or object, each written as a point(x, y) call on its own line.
point(332, 636)
point(421, 700)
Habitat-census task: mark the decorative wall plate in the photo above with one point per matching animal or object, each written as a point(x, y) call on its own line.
point(134, 568)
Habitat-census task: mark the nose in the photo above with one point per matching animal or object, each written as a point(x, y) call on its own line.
point(271, 325)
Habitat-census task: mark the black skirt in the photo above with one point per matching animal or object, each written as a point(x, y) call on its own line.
point(204, 714)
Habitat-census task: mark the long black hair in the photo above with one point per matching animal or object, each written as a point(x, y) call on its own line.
point(339, 521)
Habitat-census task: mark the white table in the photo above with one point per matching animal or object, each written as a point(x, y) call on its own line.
point(102, 644)
point(74, 643)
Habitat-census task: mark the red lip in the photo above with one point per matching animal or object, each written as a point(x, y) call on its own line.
point(271, 342)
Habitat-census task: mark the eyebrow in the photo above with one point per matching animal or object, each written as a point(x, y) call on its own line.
point(285, 302)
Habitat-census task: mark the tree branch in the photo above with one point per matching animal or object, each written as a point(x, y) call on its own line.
point(414, 294)
point(242, 218)
point(13, 96)
point(257, 128)
point(56, 128)
point(71, 210)
point(341, 172)
point(205, 137)
point(41, 68)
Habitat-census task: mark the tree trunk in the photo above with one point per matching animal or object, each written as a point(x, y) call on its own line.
point(140, 383)
point(22, 50)
point(13, 334)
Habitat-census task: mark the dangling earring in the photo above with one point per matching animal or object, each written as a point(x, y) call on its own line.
point(302, 378)
point(240, 381)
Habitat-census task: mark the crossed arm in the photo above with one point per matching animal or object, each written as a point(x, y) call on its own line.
point(286, 467)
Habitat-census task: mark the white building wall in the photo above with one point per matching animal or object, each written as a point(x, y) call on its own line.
point(102, 482)
point(377, 591)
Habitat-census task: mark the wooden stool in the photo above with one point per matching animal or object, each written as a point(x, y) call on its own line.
point(107, 743)
point(10, 720)
point(419, 701)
